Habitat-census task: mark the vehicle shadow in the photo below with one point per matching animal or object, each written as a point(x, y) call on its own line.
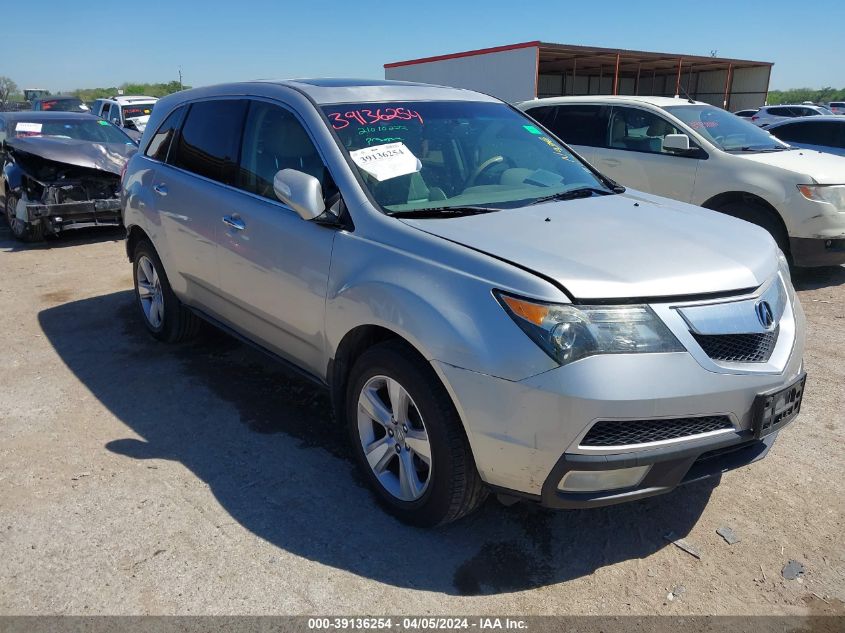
point(266, 444)
point(75, 237)
point(816, 278)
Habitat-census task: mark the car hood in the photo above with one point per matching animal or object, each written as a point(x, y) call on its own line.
point(823, 168)
point(141, 122)
point(630, 245)
point(110, 157)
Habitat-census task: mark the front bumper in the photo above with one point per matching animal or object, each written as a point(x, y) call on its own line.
point(67, 215)
point(525, 435)
point(816, 232)
point(817, 252)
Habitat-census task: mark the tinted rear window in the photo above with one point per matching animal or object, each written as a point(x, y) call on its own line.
point(210, 138)
point(580, 124)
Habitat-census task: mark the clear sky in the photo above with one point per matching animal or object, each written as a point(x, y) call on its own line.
point(61, 44)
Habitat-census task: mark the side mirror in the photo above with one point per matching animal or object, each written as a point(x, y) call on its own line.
point(301, 192)
point(676, 143)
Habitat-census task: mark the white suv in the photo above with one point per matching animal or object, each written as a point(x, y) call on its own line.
point(773, 114)
point(697, 153)
point(130, 113)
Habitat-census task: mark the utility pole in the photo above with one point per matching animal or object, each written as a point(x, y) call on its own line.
point(180, 78)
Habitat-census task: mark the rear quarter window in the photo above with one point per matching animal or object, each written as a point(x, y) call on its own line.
point(163, 138)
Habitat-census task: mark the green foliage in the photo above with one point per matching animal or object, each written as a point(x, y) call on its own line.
point(799, 95)
point(148, 90)
point(8, 88)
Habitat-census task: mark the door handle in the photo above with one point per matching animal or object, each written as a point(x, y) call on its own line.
point(160, 189)
point(610, 162)
point(234, 222)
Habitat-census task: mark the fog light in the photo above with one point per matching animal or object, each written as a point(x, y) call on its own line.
point(598, 480)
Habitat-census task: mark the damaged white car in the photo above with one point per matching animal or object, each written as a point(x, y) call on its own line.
point(61, 171)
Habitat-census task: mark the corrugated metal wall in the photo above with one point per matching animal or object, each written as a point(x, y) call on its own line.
point(748, 86)
point(508, 75)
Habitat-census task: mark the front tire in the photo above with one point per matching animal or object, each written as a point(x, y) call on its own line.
point(163, 315)
point(21, 231)
point(408, 439)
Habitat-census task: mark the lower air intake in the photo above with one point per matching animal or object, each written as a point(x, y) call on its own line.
point(627, 432)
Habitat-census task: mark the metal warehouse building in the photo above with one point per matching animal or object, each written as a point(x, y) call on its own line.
point(538, 69)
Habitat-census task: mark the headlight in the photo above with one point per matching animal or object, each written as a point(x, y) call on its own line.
point(832, 194)
point(567, 333)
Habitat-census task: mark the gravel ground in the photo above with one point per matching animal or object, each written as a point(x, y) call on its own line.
point(139, 478)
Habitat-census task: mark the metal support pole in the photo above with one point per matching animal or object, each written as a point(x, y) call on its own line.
point(637, 83)
point(727, 85)
point(678, 80)
point(616, 77)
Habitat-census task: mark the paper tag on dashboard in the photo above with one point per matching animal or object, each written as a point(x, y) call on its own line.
point(25, 126)
point(384, 162)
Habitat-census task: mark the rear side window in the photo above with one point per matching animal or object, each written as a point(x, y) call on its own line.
point(210, 138)
point(540, 113)
point(813, 133)
point(161, 141)
point(579, 124)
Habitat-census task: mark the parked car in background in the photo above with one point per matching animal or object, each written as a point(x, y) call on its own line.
point(61, 170)
point(697, 153)
point(837, 107)
point(129, 112)
point(771, 114)
point(487, 310)
point(747, 114)
point(823, 133)
point(60, 104)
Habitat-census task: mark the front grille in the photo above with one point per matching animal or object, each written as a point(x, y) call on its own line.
point(627, 432)
point(738, 348)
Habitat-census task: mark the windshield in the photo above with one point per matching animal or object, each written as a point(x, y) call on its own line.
point(445, 154)
point(63, 105)
point(725, 130)
point(134, 111)
point(85, 129)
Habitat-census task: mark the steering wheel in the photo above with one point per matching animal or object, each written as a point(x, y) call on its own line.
point(487, 164)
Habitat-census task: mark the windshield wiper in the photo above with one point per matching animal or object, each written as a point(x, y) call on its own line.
point(572, 194)
point(751, 148)
point(442, 212)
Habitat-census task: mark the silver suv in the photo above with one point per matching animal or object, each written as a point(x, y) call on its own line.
point(487, 310)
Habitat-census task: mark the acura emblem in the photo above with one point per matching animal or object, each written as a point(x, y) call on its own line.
point(765, 314)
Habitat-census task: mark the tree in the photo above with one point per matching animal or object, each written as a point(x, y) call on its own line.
point(7, 89)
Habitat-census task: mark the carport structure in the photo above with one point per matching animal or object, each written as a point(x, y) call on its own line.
point(540, 69)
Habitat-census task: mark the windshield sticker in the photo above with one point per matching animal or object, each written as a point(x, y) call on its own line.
point(23, 126)
point(366, 116)
point(557, 149)
point(532, 129)
point(384, 162)
point(103, 122)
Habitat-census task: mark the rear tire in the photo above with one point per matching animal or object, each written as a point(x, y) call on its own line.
point(21, 231)
point(421, 441)
point(761, 216)
point(163, 315)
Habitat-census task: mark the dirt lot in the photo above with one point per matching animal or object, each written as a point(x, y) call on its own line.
point(141, 478)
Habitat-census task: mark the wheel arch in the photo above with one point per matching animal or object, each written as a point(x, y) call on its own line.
point(354, 343)
point(720, 200)
point(134, 234)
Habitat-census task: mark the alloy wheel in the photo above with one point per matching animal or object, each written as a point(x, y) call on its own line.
point(149, 292)
point(394, 438)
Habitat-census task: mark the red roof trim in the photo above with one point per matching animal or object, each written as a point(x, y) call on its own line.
point(480, 51)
